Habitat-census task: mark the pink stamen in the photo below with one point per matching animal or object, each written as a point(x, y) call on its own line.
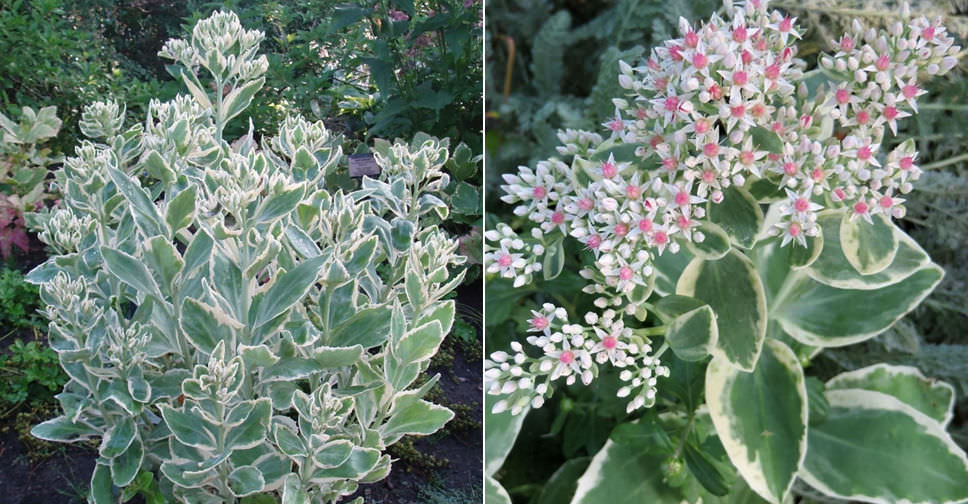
point(586, 204)
point(539, 192)
point(715, 92)
point(863, 117)
point(682, 198)
point(886, 201)
point(633, 192)
point(738, 111)
point(558, 218)
point(671, 104)
point(670, 164)
point(692, 40)
point(860, 207)
point(702, 126)
point(708, 176)
point(645, 225)
point(843, 96)
point(790, 168)
point(740, 78)
point(594, 241)
point(883, 62)
point(609, 342)
point(616, 125)
point(661, 238)
point(699, 61)
point(890, 113)
point(609, 170)
point(801, 205)
point(772, 72)
point(539, 323)
point(746, 157)
point(625, 273)
point(505, 260)
point(910, 91)
point(786, 25)
point(907, 162)
point(864, 153)
point(567, 357)
point(739, 34)
point(683, 222)
point(927, 33)
point(710, 149)
point(621, 229)
point(818, 175)
point(846, 43)
point(794, 229)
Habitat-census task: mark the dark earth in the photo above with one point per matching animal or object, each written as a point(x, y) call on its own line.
point(445, 467)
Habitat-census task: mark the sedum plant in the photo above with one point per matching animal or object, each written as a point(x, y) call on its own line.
point(736, 221)
point(227, 322)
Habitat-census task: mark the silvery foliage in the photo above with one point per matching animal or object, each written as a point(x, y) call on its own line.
point(225, 320)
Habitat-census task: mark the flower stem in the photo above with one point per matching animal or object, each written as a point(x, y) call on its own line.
point(945, 162)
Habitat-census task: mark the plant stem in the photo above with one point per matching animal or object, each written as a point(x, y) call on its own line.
point(945, 162)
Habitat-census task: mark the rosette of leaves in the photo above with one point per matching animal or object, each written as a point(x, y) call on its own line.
point(226, 320)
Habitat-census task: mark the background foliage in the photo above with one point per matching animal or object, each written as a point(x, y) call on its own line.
point(553, 65)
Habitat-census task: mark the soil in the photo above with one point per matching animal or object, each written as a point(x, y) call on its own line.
point(64, 477)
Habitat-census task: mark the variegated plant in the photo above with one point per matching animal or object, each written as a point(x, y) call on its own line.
point(227, 321)
point(737, 221)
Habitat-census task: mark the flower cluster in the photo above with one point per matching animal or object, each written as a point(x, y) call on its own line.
point(726, 104)
point(572, 352)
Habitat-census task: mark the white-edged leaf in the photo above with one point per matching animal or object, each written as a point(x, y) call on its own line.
point(732, 288)
point(874, 448)
point(761, 418)
point(934, 398)
point(869, 248)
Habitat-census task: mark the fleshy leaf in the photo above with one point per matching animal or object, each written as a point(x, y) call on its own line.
point(934, 398)
point(874, 448)
point(761, 418)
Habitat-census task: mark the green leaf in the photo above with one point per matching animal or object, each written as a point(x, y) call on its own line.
point(935, 399)
point(715, 242)
point(500, 434)
point(693, 335)
point(189, 429)
point(138, 388)
point(369, 327)
point(63, 430)
point(467, 199)
point(739, 215)
point(554, 259)
point(293, 492)
point(289, 442)
point(164, 260)
point(562, 484)
point(761, 418)
point(703, 467)
point(205, 325)
point(252, 429)
point(239, 99)
point(875, 448)
point(246, 480)
point(118, 438)
point(291, 368)
point(158, 167)
point(817, 399)
point(125, 466)
point(130, 271)
point(143, 209)
point(731, 287)
point(766, 140)
point(336, 357)
point(832, 267)
point(668, 268)
point(333, 453)
point(820, 315)
point(198, 252)
point(181, 210)
point(868, 248)
point(625, 474)
point(494, 493)
point(415, 290)
point(288, 289)
point(102, 490)
point(280, 204)
point(419, 344)
point(194, 87)
point(257, 356)
point(413, 416)
point(360, 462)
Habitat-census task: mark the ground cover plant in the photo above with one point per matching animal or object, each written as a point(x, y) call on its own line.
point(218, 307)
point(733, 222)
